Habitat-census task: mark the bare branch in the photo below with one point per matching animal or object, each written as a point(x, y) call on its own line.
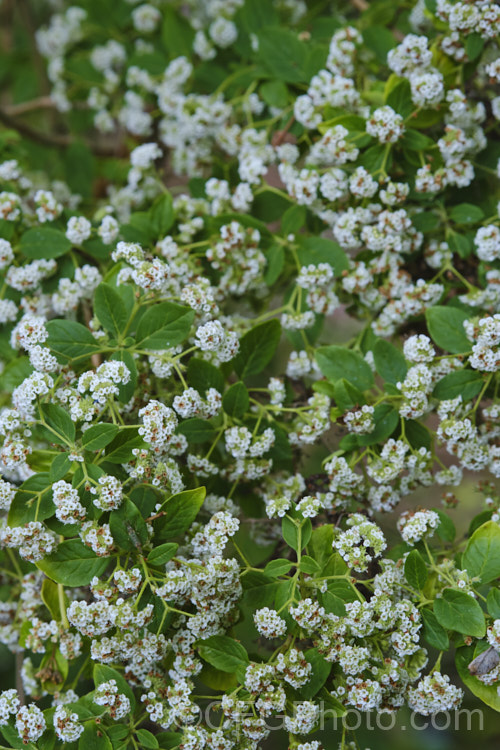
point(41, 102)
point(53, 139)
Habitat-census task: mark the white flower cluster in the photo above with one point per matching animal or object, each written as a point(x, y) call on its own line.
point(269, 623)
point(117, 703)
point(434, 693)
point(486, 349)
point(417, 525)
point(66, 724)
point(67, 501)
point(360, 543)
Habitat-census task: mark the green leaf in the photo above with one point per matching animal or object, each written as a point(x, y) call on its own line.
point(95, 247)
point(169, 740)
point(181, 510)
point(162, 554)
point(44, 242)
point(196, 430)
point(127, 390)
point(85, 708)
point(415, 141)
point(176, 33)
point(103, 673)
point(146, 739)
point(320, 546)
point(99, 436)
point(276, 568)
point(119, 451)
point(458, 611)
point(79, 164)
point(275, 94)
point(460, 243)
point(482, 554)
point(466, 213)
point(73, 564)
point(203, 375)
point(332, 603)
point(389, 361)
point(138, 229)
point(417, 434)
point(164, 325)
point(224, 653)
point(217, 680)
point(399, 97)
point(435, 635)
point(446, 328)
point(336, 362)
point(257, 14)
point(474, 45)
point(32, 501)
point(321, 669)
point(275, 257)
point(117, 734)
point(50, 597)
point(267, 207)
point(235, 401)
point(343, 590)
point(446, 529)
point(308, 565)
point(386, 420)
point(379, 40)
point(296, 535)
point(70, 340)
point(128, 527)
point(162, 215)
point(487, 693)
point(315, 250)
point(59, 467)
point(14, 373)
point(346, 396)
point(110, 309)
point(478, 521)
point(259, 590)
point(415, 570)
point(12, 737)
point(60, 423)
point(293, 219)
point(283, 54)
point(257, 348)
point(465, 383)
point(493, 603)
point(376, 158)
point(425, 221)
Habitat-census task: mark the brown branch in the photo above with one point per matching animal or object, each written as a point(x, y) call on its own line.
point(156, 515)
point(19, 677)
point(38, 136)
point(52, 139)
point(41, 102)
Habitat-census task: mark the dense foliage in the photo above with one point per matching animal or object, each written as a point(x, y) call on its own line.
point(257, 316)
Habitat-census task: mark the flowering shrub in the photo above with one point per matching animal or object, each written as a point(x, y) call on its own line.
point(264, 310)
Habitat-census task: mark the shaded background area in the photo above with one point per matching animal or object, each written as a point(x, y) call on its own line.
point(22, 78)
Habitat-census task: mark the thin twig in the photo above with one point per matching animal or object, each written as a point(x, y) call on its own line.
point(156, 515)
point(19, 677)
point(51, 139)
point(41, 102)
